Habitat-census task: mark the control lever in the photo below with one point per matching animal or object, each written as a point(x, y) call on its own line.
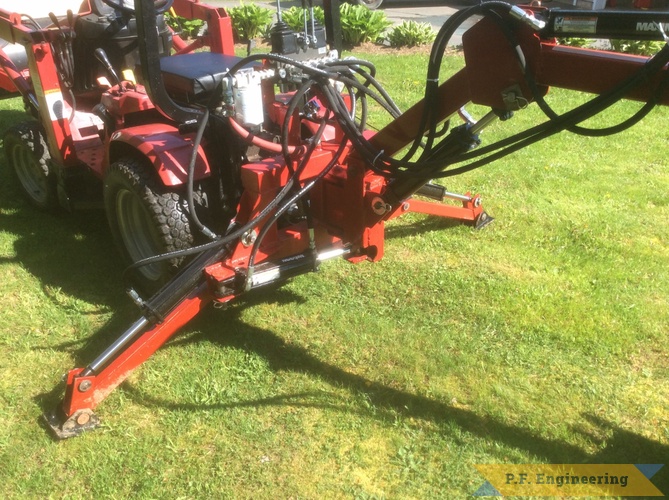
point(63, 52)
point(101, 56)
point(313, 21)
point(279, 17)
point(304, 11)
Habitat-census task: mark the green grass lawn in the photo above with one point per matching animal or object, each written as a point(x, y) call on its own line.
point(539, 339)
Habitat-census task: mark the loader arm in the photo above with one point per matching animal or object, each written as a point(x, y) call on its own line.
point(348, 181)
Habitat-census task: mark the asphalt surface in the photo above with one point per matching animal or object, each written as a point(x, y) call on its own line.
point(433, 12)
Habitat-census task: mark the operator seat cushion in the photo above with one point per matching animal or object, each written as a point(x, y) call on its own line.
point(193, 77)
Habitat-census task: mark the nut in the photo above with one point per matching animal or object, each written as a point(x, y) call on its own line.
point(249, 238)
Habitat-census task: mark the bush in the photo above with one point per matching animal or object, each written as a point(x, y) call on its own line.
point(249, 21)
point(294, 17)
point(411, 34)
point(187, 28)
point(638, 47)
point(574, 42)
point(359, 24)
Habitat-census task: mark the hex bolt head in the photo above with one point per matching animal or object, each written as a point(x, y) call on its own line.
point(85, 385)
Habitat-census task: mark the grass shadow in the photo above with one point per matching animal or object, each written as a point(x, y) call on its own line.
point(387, 402)
point(426, 224)
point(71, 255)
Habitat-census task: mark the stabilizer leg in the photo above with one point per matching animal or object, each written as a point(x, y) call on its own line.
point(470, 212)
point(87, 387)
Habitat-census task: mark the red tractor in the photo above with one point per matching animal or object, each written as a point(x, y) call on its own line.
point(220, 174)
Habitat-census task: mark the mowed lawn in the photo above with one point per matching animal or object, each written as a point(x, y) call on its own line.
point(540, 339)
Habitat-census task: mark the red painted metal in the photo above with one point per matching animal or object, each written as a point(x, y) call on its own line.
point(594, 71)
point(469, 211)
point(453, 94)
point(219, 24)
point(97, 387)
point(51, 98)
point(167, 149)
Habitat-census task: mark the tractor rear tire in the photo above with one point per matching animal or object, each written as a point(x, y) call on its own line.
point(28, 156)
point(146, 219)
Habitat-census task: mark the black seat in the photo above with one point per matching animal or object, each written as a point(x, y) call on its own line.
point(191, 78)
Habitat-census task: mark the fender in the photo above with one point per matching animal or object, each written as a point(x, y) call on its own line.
point(167, 150)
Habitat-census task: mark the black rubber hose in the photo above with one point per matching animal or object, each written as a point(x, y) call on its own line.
point(204, 120)
point(268, 224)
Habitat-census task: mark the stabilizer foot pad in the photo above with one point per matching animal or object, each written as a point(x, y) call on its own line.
point(483, 220)
point(63, 428)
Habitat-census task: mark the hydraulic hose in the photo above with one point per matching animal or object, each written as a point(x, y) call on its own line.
point(204, 120)
point(429, 165)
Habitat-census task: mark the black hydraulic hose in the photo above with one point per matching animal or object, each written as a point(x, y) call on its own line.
point(204, 120)
point(354, 65)
point(550, 113)
point(573, 117)
point(356, 95)
point(226, 239)
point(354, 106)
point(303, 162)
point(383, 100)
point(295, 101)
point(641, 113)
point(350, 128)
point(428, 119)
point(561, 122)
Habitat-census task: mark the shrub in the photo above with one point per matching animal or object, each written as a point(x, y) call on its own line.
point(249, 21)
point(359, 24)
point(574, 42)
point(411, 34)
point(638, 47)
point(188, 28)
point(294, 17)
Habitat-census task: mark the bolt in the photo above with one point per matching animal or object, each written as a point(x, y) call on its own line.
point(380, 207)
point(85, 385)
point(477, 202)
point(249, 238)
point(405, 207)
point(83, 418)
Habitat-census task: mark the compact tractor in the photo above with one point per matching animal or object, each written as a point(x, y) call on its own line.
point(221, 174)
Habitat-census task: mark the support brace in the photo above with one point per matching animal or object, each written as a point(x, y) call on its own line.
point(83, 393)
point(471, 211)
